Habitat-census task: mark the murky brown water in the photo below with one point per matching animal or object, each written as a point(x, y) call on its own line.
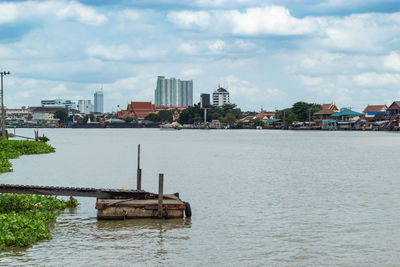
point(258, 198)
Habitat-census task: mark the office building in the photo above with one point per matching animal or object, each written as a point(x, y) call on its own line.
point(85, 106)
point(221, 97)
point(59, 103)
point(98, 102)
point(173, 92)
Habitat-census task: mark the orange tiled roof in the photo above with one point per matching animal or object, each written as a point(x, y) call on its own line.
point(137, 110)
point(371, 108)
point(324, 112)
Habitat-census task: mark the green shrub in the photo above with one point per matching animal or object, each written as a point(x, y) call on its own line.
point(44, 139)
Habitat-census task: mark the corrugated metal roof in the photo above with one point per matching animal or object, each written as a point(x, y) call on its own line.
point(273, 120)
point(346, 112)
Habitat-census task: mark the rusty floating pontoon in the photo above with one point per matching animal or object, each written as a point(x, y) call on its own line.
point(117, 203)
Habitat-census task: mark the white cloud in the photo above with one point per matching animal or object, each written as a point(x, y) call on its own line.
point(392, 61)
point(122, 84)
point(131, 88)
point(310, 81)
point(244, 44)
point(274, 92)
point(151, 52)
point(225, 2)
point(58, 90)
point(63, 10)
point(81, 13)
point(377, 79)
point(216, 45)
point(8, 12)
point(359, 32)
point(241, 89)
point(110, 52)
point(130, 14)
point(188, 48)
point(270, 20)
point(187, 19)
point(190, 72)
point(356, 32)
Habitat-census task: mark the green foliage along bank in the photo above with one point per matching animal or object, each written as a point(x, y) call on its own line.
point(26, 219)
point(11, 149)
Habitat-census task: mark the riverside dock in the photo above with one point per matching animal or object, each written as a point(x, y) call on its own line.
point(117, 203)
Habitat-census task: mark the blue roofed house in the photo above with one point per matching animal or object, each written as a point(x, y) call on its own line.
point(374, 112)
point(347, 118)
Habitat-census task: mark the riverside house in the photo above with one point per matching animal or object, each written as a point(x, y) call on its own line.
point(45, 115)
point(393, 114)
point(371, 112)
point(323, 117)
point(347, 118)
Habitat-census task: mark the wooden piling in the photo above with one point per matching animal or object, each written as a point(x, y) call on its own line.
point(139, 172)
point(160, 194)
point(139, 179)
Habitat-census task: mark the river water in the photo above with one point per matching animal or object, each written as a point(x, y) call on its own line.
point(259, 198)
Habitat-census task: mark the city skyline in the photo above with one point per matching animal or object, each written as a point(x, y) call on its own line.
point(266, 53)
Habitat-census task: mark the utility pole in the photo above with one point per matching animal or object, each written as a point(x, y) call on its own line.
point(3, 112)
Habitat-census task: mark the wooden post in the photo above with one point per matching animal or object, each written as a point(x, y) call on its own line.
point(139, 171)
point(138, 156)
point(139, 179)
point(36, 135)
point(160, 194)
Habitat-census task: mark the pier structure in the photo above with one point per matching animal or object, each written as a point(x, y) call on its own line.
point(117, 203)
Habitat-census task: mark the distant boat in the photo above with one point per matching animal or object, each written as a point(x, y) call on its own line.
point(171, 126)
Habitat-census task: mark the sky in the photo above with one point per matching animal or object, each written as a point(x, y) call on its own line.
point(268, 54)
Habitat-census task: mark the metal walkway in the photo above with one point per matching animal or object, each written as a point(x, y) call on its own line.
point(75, 191)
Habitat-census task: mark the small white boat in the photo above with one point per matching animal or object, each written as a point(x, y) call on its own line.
point(171, 126)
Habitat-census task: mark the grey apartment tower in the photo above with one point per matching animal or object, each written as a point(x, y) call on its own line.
point(98, 102)
point(173, 92)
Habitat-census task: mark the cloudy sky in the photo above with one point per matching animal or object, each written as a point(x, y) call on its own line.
point(266, 53)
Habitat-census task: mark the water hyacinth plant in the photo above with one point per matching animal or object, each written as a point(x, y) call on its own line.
point(11, 149)
point(26, 219)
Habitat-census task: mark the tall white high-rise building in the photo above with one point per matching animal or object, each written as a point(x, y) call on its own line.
point(221, 97)
point(98, 102)
point(173, 92)
point(85, 106)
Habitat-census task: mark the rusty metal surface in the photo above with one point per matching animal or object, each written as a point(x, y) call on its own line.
point(74, 191)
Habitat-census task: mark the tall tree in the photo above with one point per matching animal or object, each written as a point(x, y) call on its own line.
point(152, 117)
point(165, 116)
point(62, 115)
point(230, 118)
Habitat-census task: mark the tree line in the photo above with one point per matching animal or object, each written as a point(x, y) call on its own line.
point(300, 111)
point(227, 113)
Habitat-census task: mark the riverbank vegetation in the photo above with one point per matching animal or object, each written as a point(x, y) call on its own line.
point(11, 149)
point(26, 219)
point(300, 111)
point(228, 113)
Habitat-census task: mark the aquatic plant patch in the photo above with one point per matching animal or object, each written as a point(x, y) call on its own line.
point(26, 219)
point(11, 149)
